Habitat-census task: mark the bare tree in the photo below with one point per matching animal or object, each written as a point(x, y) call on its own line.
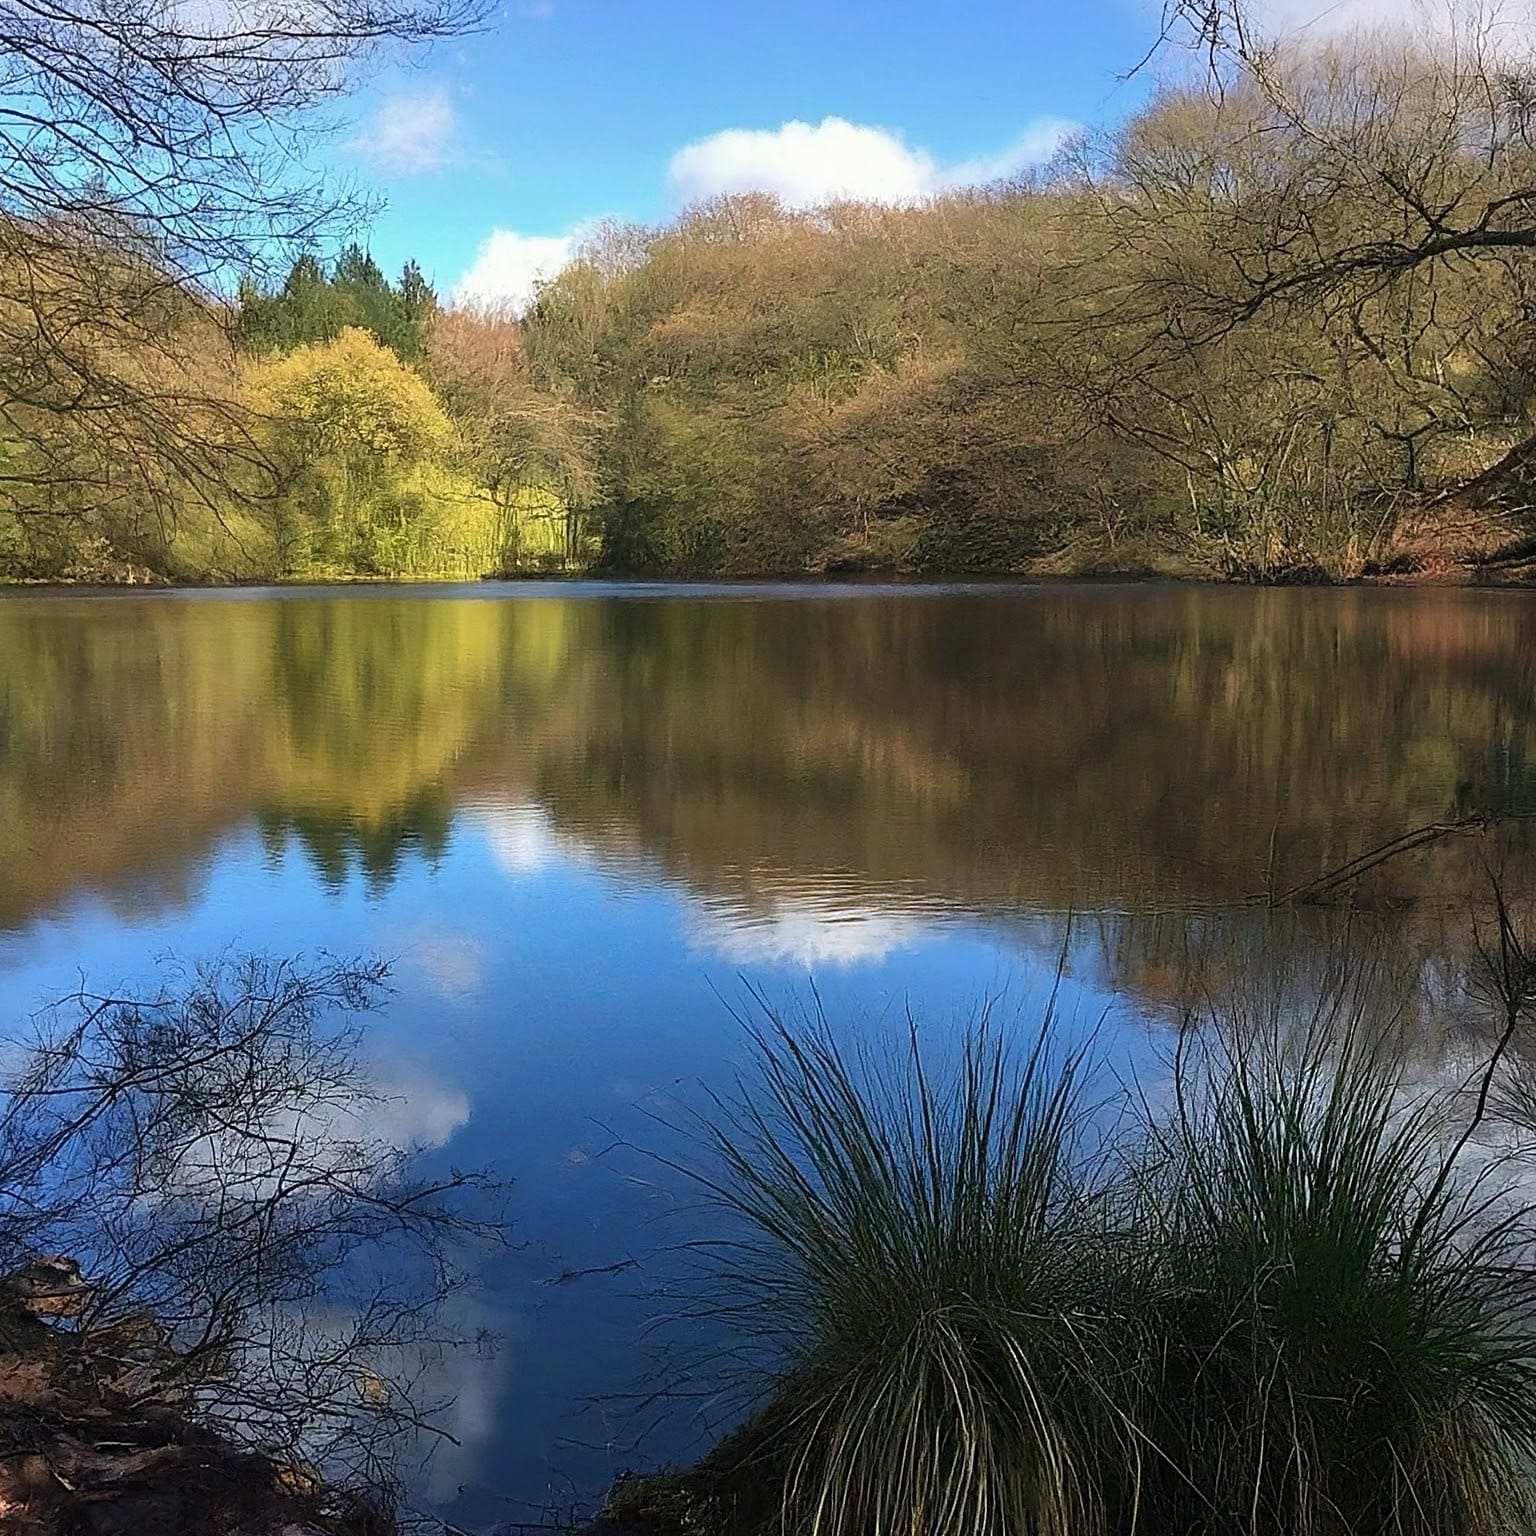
point(180, 121)
point(1388, 150)
point(532, 448)
point(1309, 273)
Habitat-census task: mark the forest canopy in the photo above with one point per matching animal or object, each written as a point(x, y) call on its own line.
point(1275, 325)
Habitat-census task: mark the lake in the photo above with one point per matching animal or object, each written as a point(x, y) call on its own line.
point(583, 819)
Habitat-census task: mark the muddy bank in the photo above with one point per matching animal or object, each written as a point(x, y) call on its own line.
point(99, 1438)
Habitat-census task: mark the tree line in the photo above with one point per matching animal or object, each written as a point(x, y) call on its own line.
point(1275, 325)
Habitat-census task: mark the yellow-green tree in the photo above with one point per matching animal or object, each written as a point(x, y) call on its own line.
point(350, 429)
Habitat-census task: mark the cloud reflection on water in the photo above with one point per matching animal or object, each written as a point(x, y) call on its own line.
point(806, 932)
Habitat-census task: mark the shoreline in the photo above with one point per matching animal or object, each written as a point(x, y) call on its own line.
point(1458, 578)
point(101, 1436)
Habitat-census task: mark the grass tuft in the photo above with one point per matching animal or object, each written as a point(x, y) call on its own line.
point(926, 1252)
point(1337, 1329)
point(1279, 1301)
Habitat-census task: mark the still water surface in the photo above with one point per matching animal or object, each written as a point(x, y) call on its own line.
point(578, 817)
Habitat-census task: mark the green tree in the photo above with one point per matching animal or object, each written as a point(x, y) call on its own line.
point(315, 306)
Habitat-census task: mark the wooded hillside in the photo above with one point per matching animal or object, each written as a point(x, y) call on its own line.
point(1278, 325)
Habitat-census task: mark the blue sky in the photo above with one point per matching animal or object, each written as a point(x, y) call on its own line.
point(493, 152)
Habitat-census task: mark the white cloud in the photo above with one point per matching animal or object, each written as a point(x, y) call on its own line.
point(452, 964)
point(219, 19)
point(463, 1385)
point(410, 131)
point(1316, 17)
point(414, 1111)
point(1034, 147)
point(401, 1109)
point(508, 268)
point(805, 164)
point(1497, 23)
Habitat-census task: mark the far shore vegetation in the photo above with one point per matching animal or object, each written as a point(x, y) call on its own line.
point(1274, 326)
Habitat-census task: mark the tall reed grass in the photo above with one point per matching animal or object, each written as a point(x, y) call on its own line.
point(1336, 1317)
point(1268, 1299)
